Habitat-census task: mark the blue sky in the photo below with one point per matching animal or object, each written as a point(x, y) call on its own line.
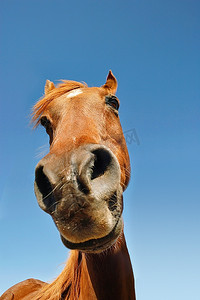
point(153, 49)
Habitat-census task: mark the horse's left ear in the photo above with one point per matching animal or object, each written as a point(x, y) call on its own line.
point(111, 83)
point(48, 86)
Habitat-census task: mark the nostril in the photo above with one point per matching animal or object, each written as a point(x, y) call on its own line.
point(82, 186)
point(45, 188)
point(42, 182)
point(102, 161)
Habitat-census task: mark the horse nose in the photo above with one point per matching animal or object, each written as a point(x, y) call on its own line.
point(97, 169)
point(90, 170)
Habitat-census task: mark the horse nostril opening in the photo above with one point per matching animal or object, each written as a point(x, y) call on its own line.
point(45, 188)
point(101, 162)
point(82, 186)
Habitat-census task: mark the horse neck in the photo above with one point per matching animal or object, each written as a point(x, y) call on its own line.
point(107, 275)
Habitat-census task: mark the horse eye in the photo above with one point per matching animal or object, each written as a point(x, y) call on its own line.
point(113, 102)
point(45, 122)
point(47, 125)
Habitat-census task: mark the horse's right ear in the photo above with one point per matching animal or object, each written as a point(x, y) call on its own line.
point(49, 86)
point(111, 83)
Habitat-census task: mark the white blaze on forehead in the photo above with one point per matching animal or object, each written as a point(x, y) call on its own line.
point(74, 93)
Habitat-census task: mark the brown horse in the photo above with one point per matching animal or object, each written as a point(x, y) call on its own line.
point(80, 183)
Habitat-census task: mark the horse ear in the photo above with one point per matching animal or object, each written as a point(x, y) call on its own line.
point(111, 83)
point(49, 86)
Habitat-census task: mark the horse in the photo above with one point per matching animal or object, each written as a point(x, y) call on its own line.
point(80, 184)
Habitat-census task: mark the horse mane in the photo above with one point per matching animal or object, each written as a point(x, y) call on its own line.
point(67, 284)
point(62, 88)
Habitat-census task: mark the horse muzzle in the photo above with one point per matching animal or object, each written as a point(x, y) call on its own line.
point(82, 193)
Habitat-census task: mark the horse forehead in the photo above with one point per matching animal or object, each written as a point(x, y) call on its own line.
point(74, 93)
point(86, 92)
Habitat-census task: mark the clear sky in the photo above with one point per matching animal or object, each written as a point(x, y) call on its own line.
point(153, 48)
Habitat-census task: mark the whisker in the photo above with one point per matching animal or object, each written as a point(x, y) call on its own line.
point(53, 190)
point(42, 151)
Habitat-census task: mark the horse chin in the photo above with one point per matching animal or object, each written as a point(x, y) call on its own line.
point(96, 245)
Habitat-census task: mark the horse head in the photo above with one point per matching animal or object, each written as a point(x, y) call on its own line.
point(80, 182)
